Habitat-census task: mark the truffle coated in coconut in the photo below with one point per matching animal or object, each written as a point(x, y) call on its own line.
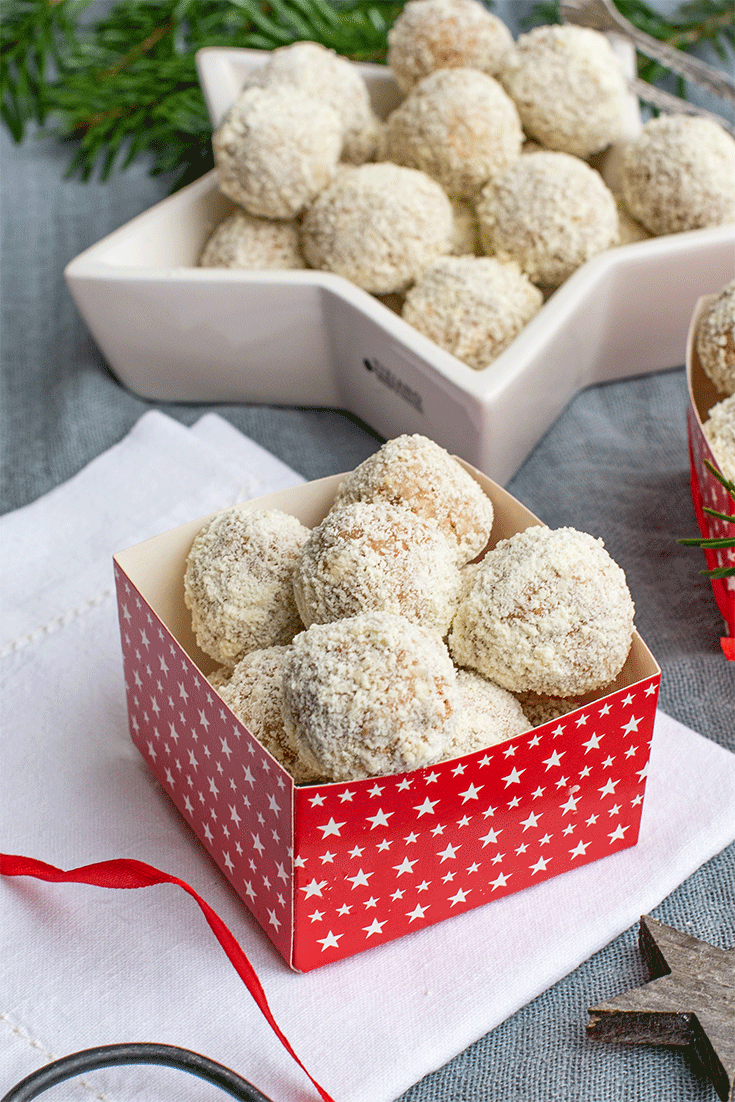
point(373, 556)
point(378, 225)
point(715, 340)
point(276, 149)
point(457, 125)
point(219, 677)
point(540, 708)
point(243, 241)
point(254, 693)
point(472, 306)
point(445, 34)
point(679, 174)
point(550, 212)
point(549, 611)
point(320, 73)
point(417, 473)
point(569, 88)
point(238, 582)
point(719, 430)
point(370, 695)
point(486, 715)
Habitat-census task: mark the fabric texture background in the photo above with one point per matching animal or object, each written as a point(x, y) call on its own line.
point(614, 464)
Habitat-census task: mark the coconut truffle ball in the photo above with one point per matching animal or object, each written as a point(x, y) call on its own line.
point(549, 611)
point(378, 225)
point(568, 87)
point(719, 430)
point(311, 69)
point(679, 174)
point(539, 708)
point(445, 34)
point(472, 306)
point(550, 212)
point(238, 582)
point(486, 715)
point(417, 473)
point(716, 340)
point(276, 149)
point(244, 241)
point(370, 695)
point(377, 556)
point(457, 125)
point(254, 692)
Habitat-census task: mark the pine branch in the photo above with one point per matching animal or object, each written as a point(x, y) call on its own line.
point(719, 543)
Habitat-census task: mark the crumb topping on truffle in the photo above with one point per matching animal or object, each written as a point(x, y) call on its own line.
point(238, 582)
point(679, 174)
point(715, 340)
point(276, 149)
point(415, 472)
point(445, 34)
point(568, 87)
point(472, 306)
point(378, 225)
point(550, 611)
point(375, 556)
point(550, 212)
point(370, 695)
point(486, 715)
point(457, 125)
point(254, 693)
point(243, 241)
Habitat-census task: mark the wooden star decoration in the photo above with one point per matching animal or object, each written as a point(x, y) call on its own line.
point(690, 1001)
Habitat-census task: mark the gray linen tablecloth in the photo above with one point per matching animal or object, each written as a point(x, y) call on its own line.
point(614, 464)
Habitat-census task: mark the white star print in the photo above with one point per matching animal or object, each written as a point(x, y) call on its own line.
point(427, 807)
point(581, 849)
point(380, 818)
point(417, 912)
point(630, 726)
point(540, 865)
point(618, 833)
point(531, 821)
point(471, 793)
point(500, 882)
point(315, 887)
point(460, 897)
point(555, 759)
point(331, 941)
point(228, 861)
point(448, 853)
point(593, 743)
point(375, 927)
point(316, 916)
point(609, 787)
point(405, 866)
point(234, 816)
point(360, 879)
point(514, 777)
point(571, 804)
point(491, 836)
point(330, 828)
point(346, 796)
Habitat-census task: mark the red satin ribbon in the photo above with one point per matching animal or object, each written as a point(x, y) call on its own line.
point(124, 873)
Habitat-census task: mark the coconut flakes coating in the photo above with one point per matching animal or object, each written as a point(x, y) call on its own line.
point(550, 212)
point(569, 88)
point(276, 149)
point(472, 306)
point(716, 339)
point(254, 693)
point(549, 611)
point(457, 125)
point(323, 75)
point(370, 695)
point(374, 556)
point(540, 708)
point(238, 582)
point(719, 430)
point(378, 225)
point(445, 34)
point(243, 241)
point(466, 235)
point(679, 174)
point(417, 473)
point(486, 715)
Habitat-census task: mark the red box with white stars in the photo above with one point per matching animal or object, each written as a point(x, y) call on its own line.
point(330, 870)
point(706, 490)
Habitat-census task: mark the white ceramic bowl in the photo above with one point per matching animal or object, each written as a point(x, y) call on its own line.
point(172, 331)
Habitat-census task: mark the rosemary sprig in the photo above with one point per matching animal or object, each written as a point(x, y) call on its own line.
point(716, 544)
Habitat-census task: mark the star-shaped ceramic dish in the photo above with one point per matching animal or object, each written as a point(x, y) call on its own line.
point(172, 331)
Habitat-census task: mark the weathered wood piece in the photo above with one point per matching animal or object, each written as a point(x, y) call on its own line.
point(690, 1001)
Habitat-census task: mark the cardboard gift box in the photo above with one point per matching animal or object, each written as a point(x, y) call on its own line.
point(330, 870)
point(706, 490)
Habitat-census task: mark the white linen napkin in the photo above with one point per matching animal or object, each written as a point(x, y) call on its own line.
point(81, 966)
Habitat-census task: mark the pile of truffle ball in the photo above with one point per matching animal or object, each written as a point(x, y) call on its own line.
point(397, 633)
point(475, 198)
point(715, 343)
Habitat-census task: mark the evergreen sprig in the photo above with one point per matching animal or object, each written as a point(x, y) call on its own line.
point(716, 543)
